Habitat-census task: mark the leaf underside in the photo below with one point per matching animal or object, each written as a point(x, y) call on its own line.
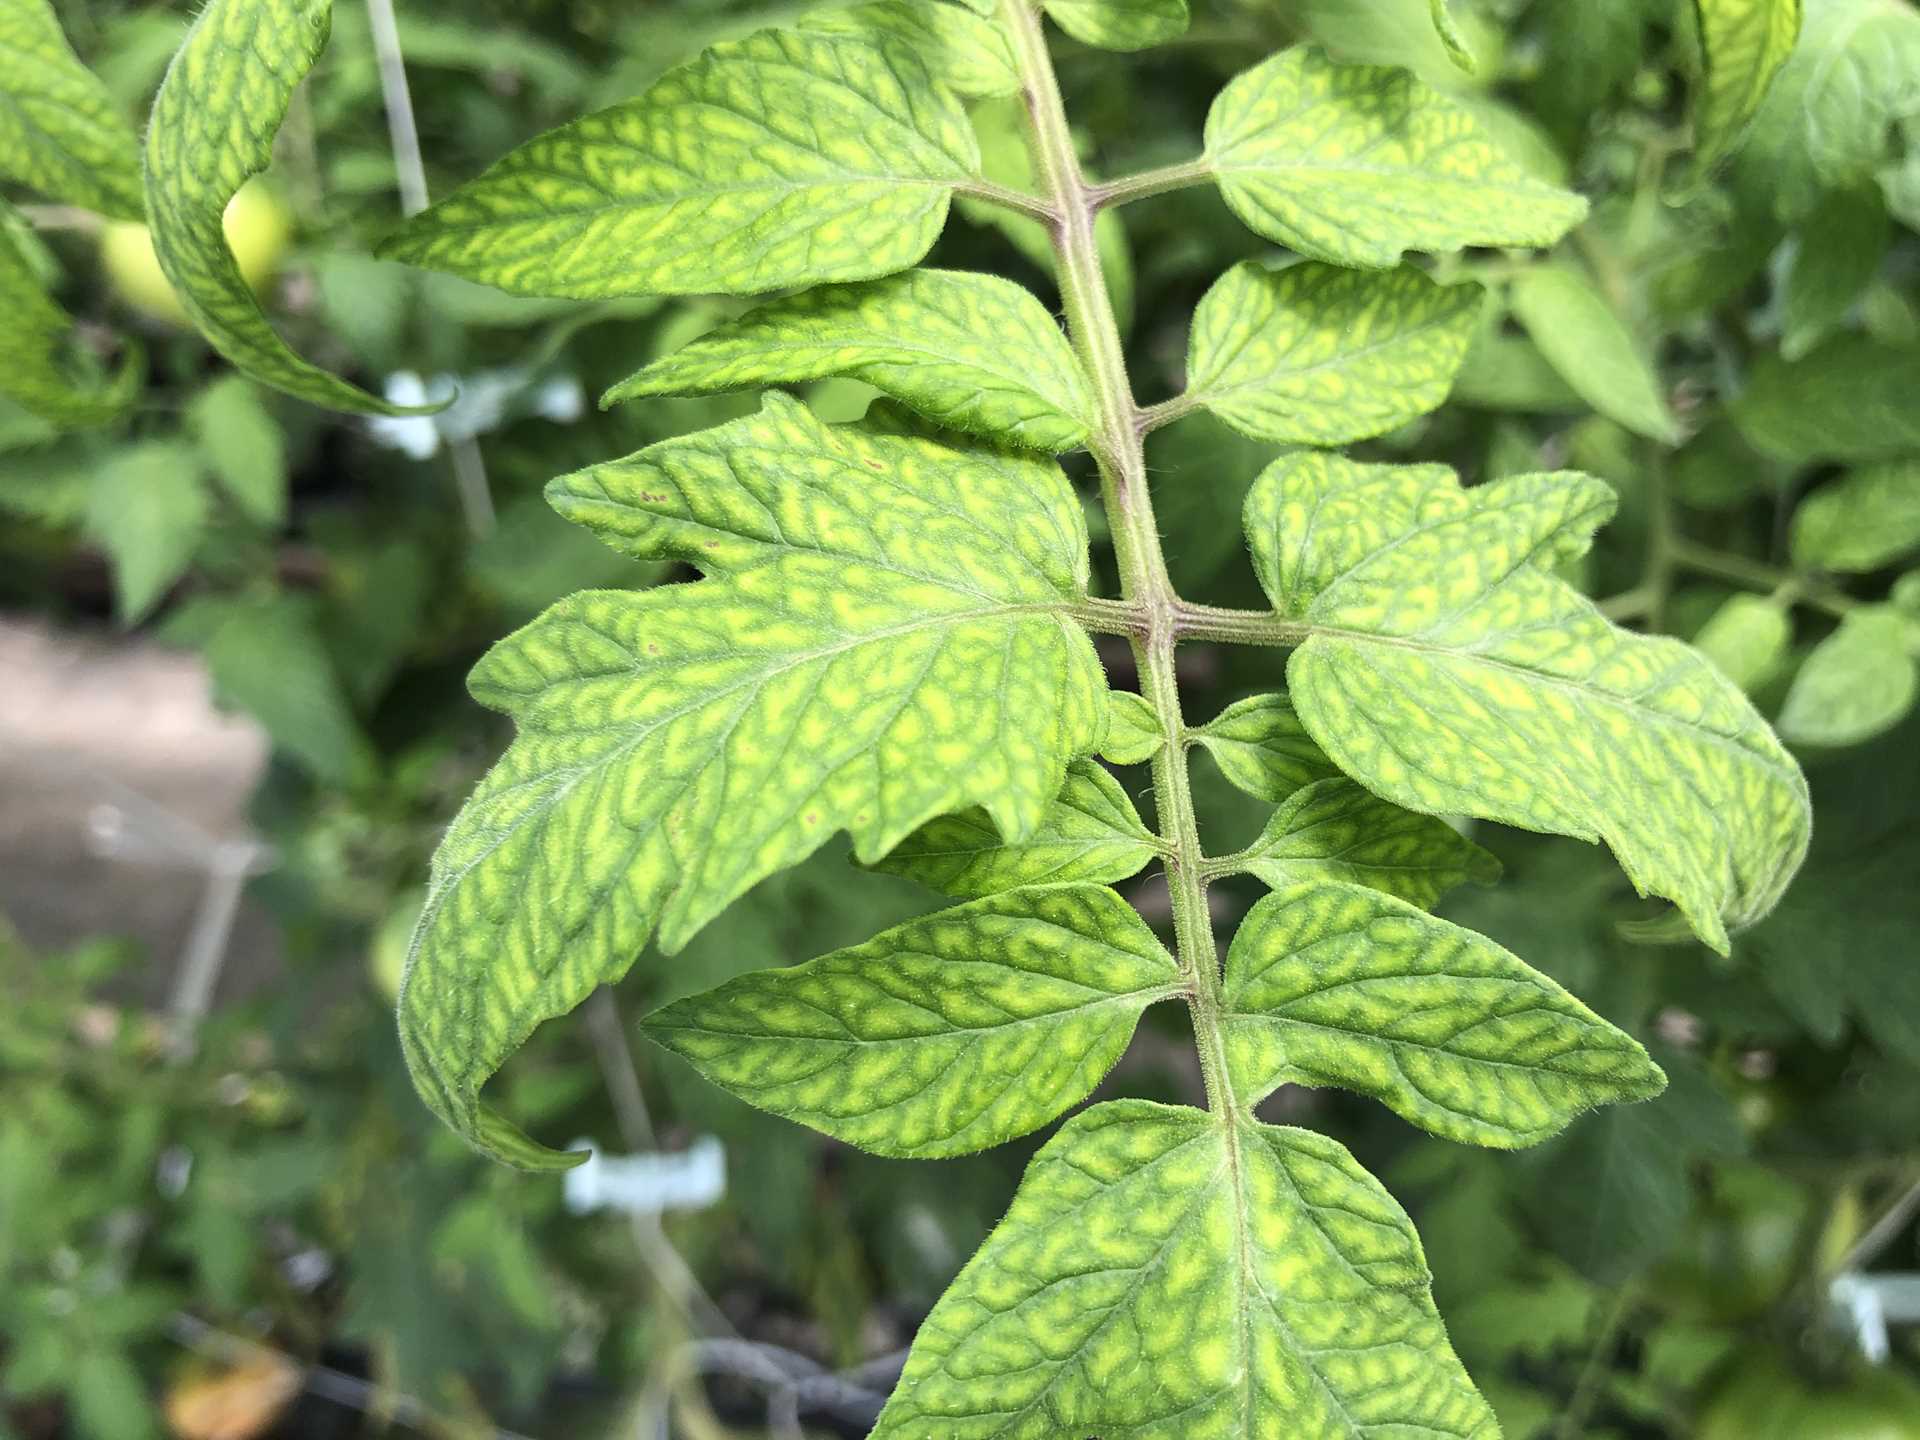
point(1120, 24)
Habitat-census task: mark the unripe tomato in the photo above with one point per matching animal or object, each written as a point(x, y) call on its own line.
point(257, 227)
point(1764, 1398)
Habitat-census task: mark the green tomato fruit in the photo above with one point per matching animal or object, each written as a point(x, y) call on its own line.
point(258, 229)
point(1764, 1398)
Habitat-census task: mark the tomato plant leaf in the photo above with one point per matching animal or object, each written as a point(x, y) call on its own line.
point(61, 133)
point(1337, 829)
point(1747, 638)
point(1167, 1273)
point(39, 368)
point(1262, 747)
point(1336, 984)
point(904, 1045)
point(147, 507)
point(1090, 833)
point(1867, 518)
point(1837, 252)
point(1744, 44)
point(1452, 672)
point(1858, 683)
point(1134, 734)
point(1451, 38)
point(973, 352)
point(1587, 343)
point(785, 158)
point(1120, 24)
point(1357, 164)
point(1318, 355)
point(965, 50)
point(243, 447)
point(1850, 398)
point(883, 640)
point(213, 124)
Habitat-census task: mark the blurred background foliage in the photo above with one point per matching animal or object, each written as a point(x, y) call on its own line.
point(242, 1223)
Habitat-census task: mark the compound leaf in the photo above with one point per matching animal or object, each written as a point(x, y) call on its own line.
point(884, 639)
point(785, 158)
point(1592, 350)
point(38, 366)
point(1262, 747)
point(1334, 984)
point(973, 352)
point(1134, 734)
point(1858, 683)
point(941, 1036)
point(1091, 833)
point(1165, 1274)
point(969, 53)
point(1357, 163)
point(1318, 355)
point(1860, 522)
point(1336, 829)
point(213, 125)
point(1120, 24)
point(1744, 44)
point(60, 131)
point(1452, 672)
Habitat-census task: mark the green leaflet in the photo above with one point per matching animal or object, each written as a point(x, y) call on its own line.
point(884, 641)
point(147, 508)
point(970, 53)
point(1455, 43)
point(1848, 399)
point(1356, 164)
point(1165, 1274)
point(1592, 350)
point(243, 447)
point(781, 159)
point(1334, 828)
point(213, 125)
point(1837, 254)
point(34, 351)
point(1333, 984)
point(1262, 748)
point(1134, 732)
point(1744, 43)
point(906, 1045)
point(1858, 683)
point(1120, 24)
point(973, 352)
point(60, 131)
point(1453, 673)
point(1317, 355)
point(1747, 638)
point(1091, 833)
point(1866, 519)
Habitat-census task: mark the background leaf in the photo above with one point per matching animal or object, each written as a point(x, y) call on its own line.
point(1595, 354)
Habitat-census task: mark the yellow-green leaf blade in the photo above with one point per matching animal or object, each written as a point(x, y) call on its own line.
point(1120, 24)
point(1318, 355)
point(974, 352)
point(904, 1045)
point(1451, 38)
point(1592, 350)
point(60, 131)
point(966, 50)
point(885, 639)
point(780, 159)
point(213, 124)
point(1163, 1277)
point(1135, 733)
point(1452, 672)
point(1744, 44)
point(1091, 833)
point(1338, 830)
point(1329, 983)
point(1262, 748)
point(1356, 164)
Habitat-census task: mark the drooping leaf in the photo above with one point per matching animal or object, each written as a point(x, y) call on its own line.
point(1329, 983)
point(1120, 24)
point(1452, 672)
point(1134, 732)
point(1858, 683)
point(37, 369)
point(884, 640)
point(1162, 1276)
point(1337, 830)
point(966, 50)
point(1262, 748)
point(213, 124)
point(1508, 373)
point(60, 131)
point(785, 158)
point(1866, 519)
point(1318, 355)
point(973, 352)
point(1455, 43)
point(1747, 638)
point(1848, 399)
point(1591, 348)
point(1837, 252)
point(1091, 833)
point(243, 447)
point(1357, 164)
point(905, 1045)
point(1744, 43)
point(147, 507)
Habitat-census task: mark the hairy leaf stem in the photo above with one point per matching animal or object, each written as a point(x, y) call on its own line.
point(1153, 610)
point(1150, 182)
